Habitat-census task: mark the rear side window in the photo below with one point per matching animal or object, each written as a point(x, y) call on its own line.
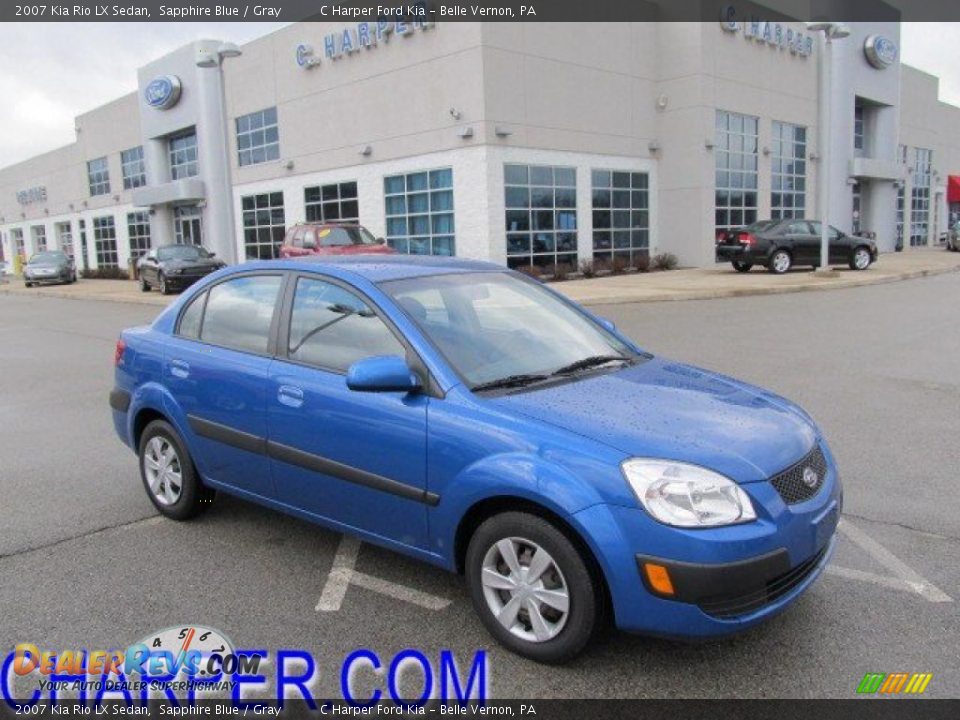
point(332, 328)
point(190, 319)
point(239, 313)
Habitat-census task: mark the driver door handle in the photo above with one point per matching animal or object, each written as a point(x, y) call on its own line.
point(180, 369)
point(290, 396)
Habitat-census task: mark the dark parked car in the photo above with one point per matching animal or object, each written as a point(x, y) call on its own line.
point(331, 239)
point(779, 245)
point(175, 267)
point(53, 266)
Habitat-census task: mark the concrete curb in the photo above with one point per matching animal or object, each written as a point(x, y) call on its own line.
point(47, 293)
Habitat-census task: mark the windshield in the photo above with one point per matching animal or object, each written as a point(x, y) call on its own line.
point(47, 258)
point(350, 235)
point(493, 326)
point(181, 252)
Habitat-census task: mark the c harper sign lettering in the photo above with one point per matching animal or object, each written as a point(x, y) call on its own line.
point(768, 33)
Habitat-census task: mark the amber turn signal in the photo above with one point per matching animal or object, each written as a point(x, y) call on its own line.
point(659, 578)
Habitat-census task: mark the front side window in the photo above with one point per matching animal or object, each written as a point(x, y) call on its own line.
point(39, 233)
point(332, 203)
point(496, 325)
point(138, 229)
point(132, 168)
point(621, 215)
point(105, 241)
point(264, 225)
point(183, 156)
point(332, 328)
point(98, 177)
point(239, 313)
point(735, 151)
point(258, 137)
point(788, 171)
point(541, 208)
point(419, 212)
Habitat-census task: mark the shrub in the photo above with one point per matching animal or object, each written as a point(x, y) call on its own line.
point(601, 265)
point(664, 261)
point(619, 264)
point(588, 268)
point(642, 263)
point(105, 273)
point(530, 271)
point(562, 271)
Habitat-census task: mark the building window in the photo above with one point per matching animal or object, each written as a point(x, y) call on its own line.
point(138, 228)
point(64, 237)
point(920, 196)
point(183, 155)
point(788, 171)
point(855, 224)
point(621, 215)
point(736, 170)
point(901, 196)
point(541, 208)
point(39, 234)
point(332, 203)
point(16, 240)
point(858, 139)
point(105, 241)
point(263, 225)
point(419, 210)
point(98, 177)
point(258, 137)
point(132, 167)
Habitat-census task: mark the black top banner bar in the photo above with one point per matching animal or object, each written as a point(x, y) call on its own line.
point(474, 11)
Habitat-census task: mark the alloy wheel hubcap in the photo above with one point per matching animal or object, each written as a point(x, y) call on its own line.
point(525, 590)
point(862, 259)
point(781, 262)
point(164, 472)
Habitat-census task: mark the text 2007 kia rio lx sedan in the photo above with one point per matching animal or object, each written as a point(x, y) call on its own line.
point(470, 417)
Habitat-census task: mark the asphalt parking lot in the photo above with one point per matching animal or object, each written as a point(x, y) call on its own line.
point(86, 562)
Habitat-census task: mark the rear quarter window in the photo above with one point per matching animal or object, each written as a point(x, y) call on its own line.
point(239, 313)
point(189, 326)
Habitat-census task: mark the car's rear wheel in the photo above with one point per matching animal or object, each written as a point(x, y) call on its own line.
point(741, 266)
point(780, 262)
point(860, 259)
point(532, 588)
point(168, 474)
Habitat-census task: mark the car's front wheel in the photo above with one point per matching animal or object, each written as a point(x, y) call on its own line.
point(780, 262)
point(532, 587)
point(860, 259)
point(168, 473)
point(741, 266)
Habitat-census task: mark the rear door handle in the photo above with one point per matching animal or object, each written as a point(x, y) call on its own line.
point(290, 396)
point(180, 369)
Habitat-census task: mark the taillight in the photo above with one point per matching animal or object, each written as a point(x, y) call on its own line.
point(118, 353)
point(745, 238)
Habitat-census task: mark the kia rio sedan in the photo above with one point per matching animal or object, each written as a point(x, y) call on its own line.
point(472, 418)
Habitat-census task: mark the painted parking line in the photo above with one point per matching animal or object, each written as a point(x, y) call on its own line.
point(343, 574)
point(901, 577)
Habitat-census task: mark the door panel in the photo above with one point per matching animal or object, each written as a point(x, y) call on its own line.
point(805, 245)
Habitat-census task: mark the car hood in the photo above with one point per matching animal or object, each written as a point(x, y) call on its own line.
point(664, 409)
point(211, 263)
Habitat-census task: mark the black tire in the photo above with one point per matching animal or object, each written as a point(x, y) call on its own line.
point(164, 289)
point(144, 285)
point(741, 266)
point(194, 497)
point(780, 262)
point(28, 284)
point(859, 256)
point(585, 607)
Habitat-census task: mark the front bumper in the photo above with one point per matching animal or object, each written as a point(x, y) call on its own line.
point(726, 579)
point(52, 279)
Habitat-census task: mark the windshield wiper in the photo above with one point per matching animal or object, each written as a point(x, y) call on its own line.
point(510, 381)
point(589, 362)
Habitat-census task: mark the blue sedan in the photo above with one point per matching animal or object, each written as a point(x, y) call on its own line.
point(472, 418)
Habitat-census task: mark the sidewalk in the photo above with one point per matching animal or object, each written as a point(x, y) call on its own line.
point(693, 284)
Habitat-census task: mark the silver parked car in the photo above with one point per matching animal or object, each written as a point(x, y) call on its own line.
point(52, 266)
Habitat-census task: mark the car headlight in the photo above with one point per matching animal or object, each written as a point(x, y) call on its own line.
point(685, 495)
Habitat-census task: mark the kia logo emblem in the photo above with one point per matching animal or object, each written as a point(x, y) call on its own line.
point(810, 477)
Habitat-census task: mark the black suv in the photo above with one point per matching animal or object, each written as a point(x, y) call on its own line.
point(778, 245)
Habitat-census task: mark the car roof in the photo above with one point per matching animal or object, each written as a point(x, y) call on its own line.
point(380, 268)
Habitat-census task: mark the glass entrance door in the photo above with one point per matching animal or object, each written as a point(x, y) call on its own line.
point(188, 225)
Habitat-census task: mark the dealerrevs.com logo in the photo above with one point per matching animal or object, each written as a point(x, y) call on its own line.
point(894, 683)
point(188, 663)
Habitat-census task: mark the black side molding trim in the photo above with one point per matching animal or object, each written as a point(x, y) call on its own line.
point(120, 400)
point(317, 463)
point(228, 435)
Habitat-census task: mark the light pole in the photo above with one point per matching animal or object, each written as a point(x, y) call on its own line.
point(831, 31)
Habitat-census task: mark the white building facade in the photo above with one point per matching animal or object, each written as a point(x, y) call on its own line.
point(527, 144)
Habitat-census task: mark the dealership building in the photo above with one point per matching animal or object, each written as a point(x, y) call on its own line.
point(520, 143)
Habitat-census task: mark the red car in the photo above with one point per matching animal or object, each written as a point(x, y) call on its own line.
point(331, 239)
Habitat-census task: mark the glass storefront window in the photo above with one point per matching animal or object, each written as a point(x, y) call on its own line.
point(419, 212)
point(264, 225)
point(735, 149)
point(336, 202)
point(621, 215)
point(541, 215)
point(788, 171)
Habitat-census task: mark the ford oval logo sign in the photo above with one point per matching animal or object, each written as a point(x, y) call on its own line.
point(163, 92)
point(881, 52)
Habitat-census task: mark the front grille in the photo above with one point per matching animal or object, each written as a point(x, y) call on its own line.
point(731, 606)
point(791, 483)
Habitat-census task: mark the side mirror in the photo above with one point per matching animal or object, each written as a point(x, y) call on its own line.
point(385, 373)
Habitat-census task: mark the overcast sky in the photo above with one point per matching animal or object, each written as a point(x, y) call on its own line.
point(51, 72)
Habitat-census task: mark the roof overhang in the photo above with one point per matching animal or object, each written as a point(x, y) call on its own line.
point(179, 191)
point(877, 169)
